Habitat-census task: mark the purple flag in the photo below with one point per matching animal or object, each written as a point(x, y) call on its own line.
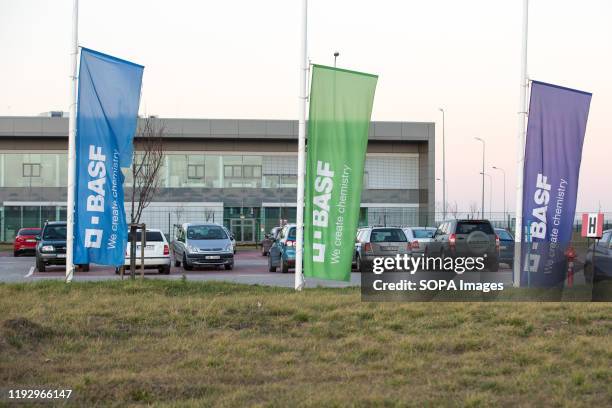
point(553, 151)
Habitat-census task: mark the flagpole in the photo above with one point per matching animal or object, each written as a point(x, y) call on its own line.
point(299, 277)
point(74, 52)
point(520, 149)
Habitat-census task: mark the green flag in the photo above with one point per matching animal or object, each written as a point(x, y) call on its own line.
point(338, 125)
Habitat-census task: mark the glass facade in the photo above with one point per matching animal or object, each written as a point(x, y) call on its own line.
point(33, 169)
point(275, 216)
point(204, 170)
point(13, 218)
point(180, 170)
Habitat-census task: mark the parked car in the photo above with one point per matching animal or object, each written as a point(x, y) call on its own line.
point(156, 252)
point(376, 242)
point(506, 246)
point(282, 251)
point(25, 241)
point(354, 263)
point(466, 238)
point(232, 238)
point(51, 246)
point(203, 244)
point(598, 264)
point(268, 240)
point(419, 237)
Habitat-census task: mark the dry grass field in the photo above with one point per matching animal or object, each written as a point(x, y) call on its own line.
point(176, 343)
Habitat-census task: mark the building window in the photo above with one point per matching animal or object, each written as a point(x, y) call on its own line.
point(31, 169)
point(195, 171)
point(232, 171)
point(242, 171)
point(251, 171)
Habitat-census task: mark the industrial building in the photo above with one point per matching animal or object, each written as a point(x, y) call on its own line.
point(242, 173)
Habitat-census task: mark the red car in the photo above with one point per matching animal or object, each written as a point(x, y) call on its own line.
point(25, 241)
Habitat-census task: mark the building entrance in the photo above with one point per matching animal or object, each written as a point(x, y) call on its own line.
point(243, 230)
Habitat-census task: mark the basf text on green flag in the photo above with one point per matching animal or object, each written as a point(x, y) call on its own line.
point(338, 125)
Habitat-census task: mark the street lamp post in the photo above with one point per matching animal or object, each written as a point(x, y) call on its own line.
point(435, 212)
point(443, 164)
point(483, 173)
point(490, 193)
point(336, 55)
point(504, 173)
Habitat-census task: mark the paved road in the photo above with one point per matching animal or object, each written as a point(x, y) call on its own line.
point(250, 268)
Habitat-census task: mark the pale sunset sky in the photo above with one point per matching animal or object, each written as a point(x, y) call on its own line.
point(239, 59)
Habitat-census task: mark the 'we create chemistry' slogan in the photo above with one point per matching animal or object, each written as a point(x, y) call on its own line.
point(338, 125)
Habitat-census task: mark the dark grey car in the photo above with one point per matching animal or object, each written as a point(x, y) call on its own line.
point(268, 240)
point(598, 265)
point(204, 244)
point(466, 238)
point(506, 246)
point(51, 246)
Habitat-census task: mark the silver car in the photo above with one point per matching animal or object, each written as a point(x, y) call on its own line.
point(202, 244)
point(378, 242)
point(419, 237)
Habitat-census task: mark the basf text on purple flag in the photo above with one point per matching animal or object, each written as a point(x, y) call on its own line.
point(553, 152)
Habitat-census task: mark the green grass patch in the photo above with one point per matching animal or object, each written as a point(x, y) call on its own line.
point(177, 343)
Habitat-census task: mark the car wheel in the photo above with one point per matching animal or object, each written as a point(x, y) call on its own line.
point(40, 266)
point(229, 267)
point(15, 254)
point(186, 266)
point(442, 256)
point(165, 270)
point(177, 263)
point(284, 267)
point(270, 267)
point(363, 266)
point(84, 268)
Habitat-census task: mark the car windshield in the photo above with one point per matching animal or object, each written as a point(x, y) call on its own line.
point(504, 235)
point(151, 236)
point(423, 233)
point(468, 227)
point(388, 235)
point(29, 232)
point(55, 232)
point(201, 232)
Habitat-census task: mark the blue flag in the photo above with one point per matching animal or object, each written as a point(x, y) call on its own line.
point(553, 151)
point(107, 114)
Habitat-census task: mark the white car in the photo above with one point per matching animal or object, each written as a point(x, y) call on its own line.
point(419, 237)
point(156, 253)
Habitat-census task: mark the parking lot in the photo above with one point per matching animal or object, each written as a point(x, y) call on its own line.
point(250, 268)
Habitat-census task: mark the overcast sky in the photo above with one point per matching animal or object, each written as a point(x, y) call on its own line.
point(239, 59)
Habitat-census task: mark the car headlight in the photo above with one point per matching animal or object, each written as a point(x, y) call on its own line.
point(229, 248)
point(191, 248)
point(47, 248)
